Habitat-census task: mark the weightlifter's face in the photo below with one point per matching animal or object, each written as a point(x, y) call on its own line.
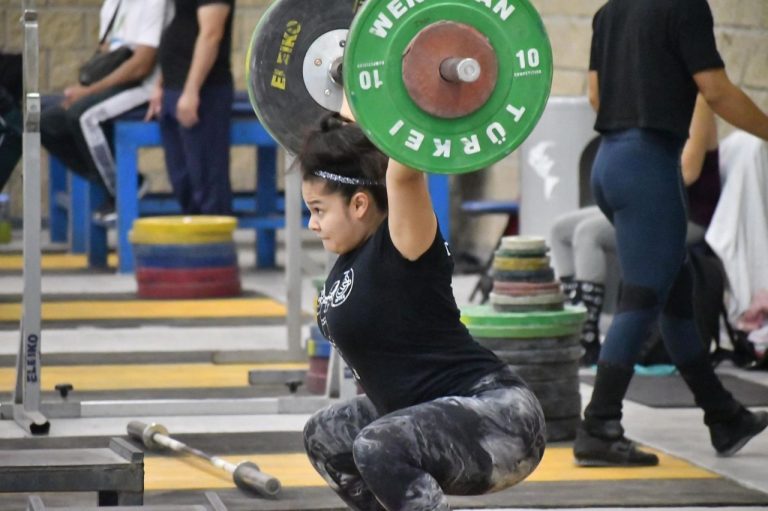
point(332, 218)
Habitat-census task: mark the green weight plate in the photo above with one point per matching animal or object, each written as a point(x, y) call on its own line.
point(379, 36)
point(290, 62)
point(476, 315)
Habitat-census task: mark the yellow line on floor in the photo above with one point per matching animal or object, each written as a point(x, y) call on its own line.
point(151, 309)
point(153, 376)
point(53, 261)
point(294, 470)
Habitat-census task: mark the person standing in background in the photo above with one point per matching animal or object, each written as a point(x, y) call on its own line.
point(648, 61)
point(193, 102)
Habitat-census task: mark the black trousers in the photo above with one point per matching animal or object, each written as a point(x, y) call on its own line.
point(62, 136)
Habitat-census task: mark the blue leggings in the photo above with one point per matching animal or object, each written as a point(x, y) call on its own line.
point(637, 183)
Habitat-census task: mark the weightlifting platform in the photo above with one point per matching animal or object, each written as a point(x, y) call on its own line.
point(131, 358)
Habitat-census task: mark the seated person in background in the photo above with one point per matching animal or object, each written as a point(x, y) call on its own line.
point(581, 239)
point(78, 131)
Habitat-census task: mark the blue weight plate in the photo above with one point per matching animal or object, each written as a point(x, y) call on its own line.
point(187, 261)
point(317, 335)
point(198, 250)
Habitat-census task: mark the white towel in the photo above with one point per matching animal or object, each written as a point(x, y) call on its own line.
point(738, 232)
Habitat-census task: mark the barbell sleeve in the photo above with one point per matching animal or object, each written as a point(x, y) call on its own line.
point(460, 70)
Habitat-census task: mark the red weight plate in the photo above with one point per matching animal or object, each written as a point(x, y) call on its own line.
point(190, 290)
point(429, 89)
point(525, 288)
point(186, 275)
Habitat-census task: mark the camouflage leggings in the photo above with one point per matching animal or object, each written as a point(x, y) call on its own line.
point(408, 460)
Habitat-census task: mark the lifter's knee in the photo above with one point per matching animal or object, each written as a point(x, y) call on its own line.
point(636, 298)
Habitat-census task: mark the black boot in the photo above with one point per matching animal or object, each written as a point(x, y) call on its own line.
point(600, 440)
point(570, 289)
point(591, 295)
point(731, 425)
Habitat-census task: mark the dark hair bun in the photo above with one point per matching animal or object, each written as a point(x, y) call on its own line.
point(332, 122)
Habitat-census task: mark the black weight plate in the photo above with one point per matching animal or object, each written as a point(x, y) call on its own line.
point(528, 308)
point(541, 356)
point(502, 343)
point(545, 275)
point(545, 372)
point(277, 83)
point(553, 388)
point(568, 405)
point(559, 430)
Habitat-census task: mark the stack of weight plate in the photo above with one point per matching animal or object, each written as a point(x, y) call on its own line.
point(318, 350)
point(543, 347)
point(523, 279)
point(181, 257)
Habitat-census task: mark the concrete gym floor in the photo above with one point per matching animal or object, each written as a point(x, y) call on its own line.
point(132, 356)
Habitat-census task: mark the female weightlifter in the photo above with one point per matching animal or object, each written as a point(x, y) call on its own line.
point(441, 414)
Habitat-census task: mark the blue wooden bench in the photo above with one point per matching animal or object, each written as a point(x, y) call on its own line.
point(72, 200)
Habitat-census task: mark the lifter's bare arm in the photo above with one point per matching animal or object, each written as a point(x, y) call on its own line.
point(412, 221)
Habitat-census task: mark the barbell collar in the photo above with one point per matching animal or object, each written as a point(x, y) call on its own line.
point(460, 70)
point(335, 69)
point(145, 433)
point(248, 477)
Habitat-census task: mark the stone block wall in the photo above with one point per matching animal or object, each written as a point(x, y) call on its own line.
point(68, 32)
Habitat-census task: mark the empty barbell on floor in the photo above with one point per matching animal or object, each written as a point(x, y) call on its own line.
point(246, 475)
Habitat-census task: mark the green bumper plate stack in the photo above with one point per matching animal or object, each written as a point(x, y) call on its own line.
point(484, 321)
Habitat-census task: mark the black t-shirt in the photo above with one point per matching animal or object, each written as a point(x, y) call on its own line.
point(645, 53)
point(178, 44)
point(396, 324)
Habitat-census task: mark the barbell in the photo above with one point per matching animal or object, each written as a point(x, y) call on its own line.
point(446, 86)
point(246, 475)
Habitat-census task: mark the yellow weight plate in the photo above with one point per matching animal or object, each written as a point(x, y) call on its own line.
point(187, 224)
point(178, 237)
point(520, 263)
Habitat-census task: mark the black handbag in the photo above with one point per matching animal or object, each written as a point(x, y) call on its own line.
point(103, 63)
